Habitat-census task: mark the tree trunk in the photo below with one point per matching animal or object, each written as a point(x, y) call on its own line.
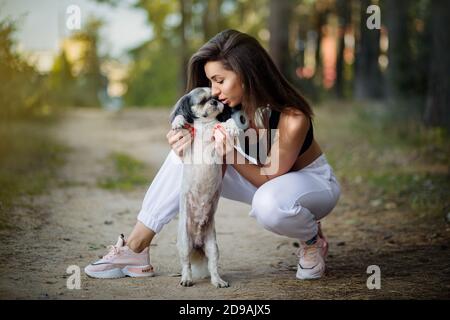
point(438, 98)
point(211, 18)
point(185, 6)
point(367, 71)
point(321, 19)
point(279, 35)
point(399, 72)
point(344, 16)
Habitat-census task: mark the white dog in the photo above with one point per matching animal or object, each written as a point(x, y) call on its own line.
point(201, 186)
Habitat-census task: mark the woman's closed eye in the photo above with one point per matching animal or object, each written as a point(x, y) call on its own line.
point(218, 80)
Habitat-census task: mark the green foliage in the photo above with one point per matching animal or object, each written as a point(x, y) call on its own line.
point(83, 88)
point(129, 173)
point(62, 84)
point(425, 193)
point(156, 71)
point(158, 13)
point(390, 157)
point(153, 76)
point(90, 80)
point(24, 92)
point(400, 125)
point(22, 88)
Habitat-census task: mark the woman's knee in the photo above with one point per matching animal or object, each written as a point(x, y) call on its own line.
point(282, 218)
point(265, 208)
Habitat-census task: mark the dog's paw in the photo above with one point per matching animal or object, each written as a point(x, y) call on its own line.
point(187, 283)
point(186, 279)
point(178, 122)
point(219, 283)
point(231, 128)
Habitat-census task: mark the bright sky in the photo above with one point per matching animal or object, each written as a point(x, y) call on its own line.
point(44, 22)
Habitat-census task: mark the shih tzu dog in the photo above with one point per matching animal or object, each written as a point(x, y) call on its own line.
point(201, 184)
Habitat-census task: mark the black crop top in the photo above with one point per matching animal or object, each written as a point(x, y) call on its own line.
point(273, 124)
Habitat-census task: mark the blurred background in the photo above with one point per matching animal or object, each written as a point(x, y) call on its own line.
point(387, 65)
point(86, 87)
point(134, 53)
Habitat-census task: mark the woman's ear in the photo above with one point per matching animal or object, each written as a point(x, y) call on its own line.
point(183, 107)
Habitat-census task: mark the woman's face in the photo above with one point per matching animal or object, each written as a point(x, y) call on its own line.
point(225, 84)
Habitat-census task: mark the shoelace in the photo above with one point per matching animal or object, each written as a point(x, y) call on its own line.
point(113, 251)
point(308, 251)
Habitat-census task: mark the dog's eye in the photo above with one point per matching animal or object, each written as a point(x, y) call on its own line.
point(205, 100)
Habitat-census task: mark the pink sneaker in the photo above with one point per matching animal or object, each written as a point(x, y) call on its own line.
point(120, 262)
point(312, 258)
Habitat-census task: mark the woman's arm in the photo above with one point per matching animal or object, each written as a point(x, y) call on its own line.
point(292, 129)
point(249, 171)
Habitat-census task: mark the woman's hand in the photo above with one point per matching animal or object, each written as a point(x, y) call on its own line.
point(180, 140)
point(224, 143)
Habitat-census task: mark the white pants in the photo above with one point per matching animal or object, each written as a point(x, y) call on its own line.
point(288, 205)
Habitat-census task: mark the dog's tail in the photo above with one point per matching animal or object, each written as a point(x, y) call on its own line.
point(199, 264)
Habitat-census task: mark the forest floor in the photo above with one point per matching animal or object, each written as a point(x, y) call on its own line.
point(74, 221)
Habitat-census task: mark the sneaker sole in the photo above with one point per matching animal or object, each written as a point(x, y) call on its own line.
point(314, 276)
point(128, 271)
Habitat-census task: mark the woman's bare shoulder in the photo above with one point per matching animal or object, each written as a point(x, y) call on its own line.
point(293, 119)
point(292, 112)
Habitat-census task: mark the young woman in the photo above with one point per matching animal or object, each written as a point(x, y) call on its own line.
point(288, 201)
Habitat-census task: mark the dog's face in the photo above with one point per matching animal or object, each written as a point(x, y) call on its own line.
point(199, 103)
point(204, 105)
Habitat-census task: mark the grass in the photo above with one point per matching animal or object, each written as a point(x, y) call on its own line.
point(393, 163)
point(29, 158)
point(129, 173)
point(425, 193)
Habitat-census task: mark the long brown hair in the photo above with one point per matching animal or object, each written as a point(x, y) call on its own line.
point(264, 85)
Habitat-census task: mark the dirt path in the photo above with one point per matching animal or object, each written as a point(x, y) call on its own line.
point(67, 227)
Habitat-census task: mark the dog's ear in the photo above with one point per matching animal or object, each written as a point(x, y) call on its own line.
point(225, 114)
point(183, 107)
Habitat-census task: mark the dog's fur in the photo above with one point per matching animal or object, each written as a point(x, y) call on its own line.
point(201, 186)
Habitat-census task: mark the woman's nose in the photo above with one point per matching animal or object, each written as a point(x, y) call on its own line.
point(215, 91)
